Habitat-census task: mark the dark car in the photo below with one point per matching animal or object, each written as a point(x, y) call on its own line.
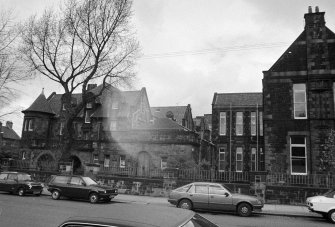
point(79, 187)
point(213, 196)
point(20, 183)
point(141, 216)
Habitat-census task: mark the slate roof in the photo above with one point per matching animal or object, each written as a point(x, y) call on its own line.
point(178, 112)
point(40, 105)
point(9, 133)
point(165, 123)
point(238, 99)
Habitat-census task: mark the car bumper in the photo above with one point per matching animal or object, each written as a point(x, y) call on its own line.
point(258, 208)
point(107, 196)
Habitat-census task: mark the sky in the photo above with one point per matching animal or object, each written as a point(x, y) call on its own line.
point(194, 48)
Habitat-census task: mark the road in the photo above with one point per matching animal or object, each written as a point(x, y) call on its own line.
point(42, 211)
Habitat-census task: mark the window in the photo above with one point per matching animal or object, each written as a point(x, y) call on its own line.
point(60, 180)
point(164, 163)
point(87, 117)
point(23, 155)
point(63, 107)
point(95, 158)
point(12, 176)
point(239, 123)
point(216, 190)
point(115, 105)
point(299, 100)
point(3, 176)
point(260, 117)
point(76, 181)
point(223, 123)
point(253, 159)
point(122, 161)
point(253, 123)
point(222, 159)
point(202, 189)
point(106, 161)
point(113, 125)
point(239, 159)
point(89, 105)
point(298, 155)
point(61, 128)
point(30, 124)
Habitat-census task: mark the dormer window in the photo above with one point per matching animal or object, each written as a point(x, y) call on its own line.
point(89, 105)
point(87, 117)
point(115, 105)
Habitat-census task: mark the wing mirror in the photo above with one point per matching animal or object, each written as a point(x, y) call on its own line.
point(226, 194)
point(83, 183)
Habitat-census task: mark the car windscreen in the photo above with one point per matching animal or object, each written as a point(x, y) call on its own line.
point(24, 177)
point(89, 181)
point(199, 221)
point(330, 193)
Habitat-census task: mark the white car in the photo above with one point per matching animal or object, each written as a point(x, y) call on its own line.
point(323, 204)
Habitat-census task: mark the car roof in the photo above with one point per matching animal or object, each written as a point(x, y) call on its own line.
point(139, 215)
point(15, 172)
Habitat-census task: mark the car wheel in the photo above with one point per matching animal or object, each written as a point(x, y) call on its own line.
point(331, 216)
point(21, 192)
point(55, 194)
point(185, 204)
point(244, 210)
point(93, 197)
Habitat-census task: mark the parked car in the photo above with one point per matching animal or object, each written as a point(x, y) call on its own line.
point(323, 204)
point(214, 196)
point(20, 183)
point(141, 216)
point(79, 187)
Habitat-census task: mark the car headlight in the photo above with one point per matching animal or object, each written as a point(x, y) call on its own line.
point(104, 192)
point(29, 185)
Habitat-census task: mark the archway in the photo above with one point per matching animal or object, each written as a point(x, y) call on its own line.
point(46, 162)
point(143, 168)
point(76, 164)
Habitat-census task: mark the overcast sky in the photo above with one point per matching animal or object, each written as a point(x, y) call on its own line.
point(194, 48)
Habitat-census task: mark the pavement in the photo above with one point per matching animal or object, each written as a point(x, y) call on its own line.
point(268, 209)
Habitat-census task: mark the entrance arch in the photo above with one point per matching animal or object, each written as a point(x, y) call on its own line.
point(144, 159)
point(46, 162)
point(76, 164)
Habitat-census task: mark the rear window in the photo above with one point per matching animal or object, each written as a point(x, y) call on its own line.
point(3, 176)
point(60, 180)
point(183, 188)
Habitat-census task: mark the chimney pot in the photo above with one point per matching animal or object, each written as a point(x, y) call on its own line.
point(316, 9)
point(310, 9)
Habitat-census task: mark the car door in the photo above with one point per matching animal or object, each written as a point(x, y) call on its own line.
point(60, 183)
point(3, 178)
point(220, 198)
point(11, 182)
point(198, 193)
point(77, 188)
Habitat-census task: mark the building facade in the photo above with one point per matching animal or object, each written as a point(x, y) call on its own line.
point(298, 93)
point(115, 132)
point(9, 141)
point(237, 131)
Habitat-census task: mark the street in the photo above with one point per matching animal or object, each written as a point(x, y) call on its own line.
point(42, 211)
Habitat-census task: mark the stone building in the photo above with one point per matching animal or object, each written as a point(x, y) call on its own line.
point(115, 132)
point(299, 100)
point(9, 141)
point(237, 131)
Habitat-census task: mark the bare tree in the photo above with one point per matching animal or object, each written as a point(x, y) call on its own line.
point(86, 41)
point(10, 73)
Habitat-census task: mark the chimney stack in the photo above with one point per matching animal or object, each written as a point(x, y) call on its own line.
point(316, 9)
point(310, 9)
point(9, 124)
